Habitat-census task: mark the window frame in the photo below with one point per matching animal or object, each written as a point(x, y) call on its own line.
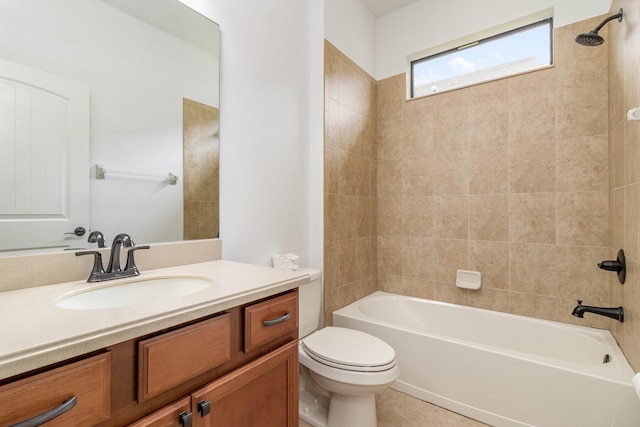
point(477, 42)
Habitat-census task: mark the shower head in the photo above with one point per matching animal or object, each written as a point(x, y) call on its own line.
point(592, 38)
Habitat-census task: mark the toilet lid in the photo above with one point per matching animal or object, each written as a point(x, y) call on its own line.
point(349, 349)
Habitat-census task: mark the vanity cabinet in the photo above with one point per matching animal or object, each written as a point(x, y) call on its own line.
point(80, 392)
point(238, 367)
point(260, 393)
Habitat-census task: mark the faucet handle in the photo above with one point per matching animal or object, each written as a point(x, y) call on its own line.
point(97, 269)
point(131, 264)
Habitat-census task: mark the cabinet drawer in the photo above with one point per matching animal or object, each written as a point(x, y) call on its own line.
point(89, 381)
point(269, 320)
point(175, 357)
point(169, 416)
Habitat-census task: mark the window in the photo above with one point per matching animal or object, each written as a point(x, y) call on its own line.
point(512, 52)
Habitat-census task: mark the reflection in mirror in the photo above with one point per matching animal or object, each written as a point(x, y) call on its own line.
point(142, 65)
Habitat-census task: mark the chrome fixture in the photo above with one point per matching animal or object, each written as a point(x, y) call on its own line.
point(619, 266)
point(592, 38)
point(98, 274)
point(616, 313)
point(97, 237)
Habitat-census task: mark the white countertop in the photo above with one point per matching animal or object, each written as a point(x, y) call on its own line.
point(35, 333)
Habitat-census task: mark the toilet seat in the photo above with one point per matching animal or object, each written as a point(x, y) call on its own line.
point(349, 349)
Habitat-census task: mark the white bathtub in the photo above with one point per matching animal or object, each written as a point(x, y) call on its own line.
point(499, 368)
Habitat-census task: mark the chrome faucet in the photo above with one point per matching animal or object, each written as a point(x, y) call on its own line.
point(616, 313)
point(98, 274)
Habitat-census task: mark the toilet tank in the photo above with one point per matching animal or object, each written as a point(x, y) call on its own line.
point(310, 302)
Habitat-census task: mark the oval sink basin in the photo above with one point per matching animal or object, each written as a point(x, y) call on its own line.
point(135, 292)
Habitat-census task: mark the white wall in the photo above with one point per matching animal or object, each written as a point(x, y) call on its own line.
point(350, 27)
point(265, 128)
point(426, 23)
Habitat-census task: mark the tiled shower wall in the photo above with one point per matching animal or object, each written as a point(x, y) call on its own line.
point(509, 178)
point(349, 182)
point(624, 89)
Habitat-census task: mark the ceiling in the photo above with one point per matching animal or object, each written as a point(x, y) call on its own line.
point(382, 7)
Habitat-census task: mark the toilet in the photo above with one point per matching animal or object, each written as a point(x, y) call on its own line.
point(341, 369)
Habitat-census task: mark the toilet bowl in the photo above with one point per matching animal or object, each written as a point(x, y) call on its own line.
point(341, 369)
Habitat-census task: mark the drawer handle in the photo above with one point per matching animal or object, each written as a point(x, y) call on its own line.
point(49, 415)
point(277, 321)
point(185, 419)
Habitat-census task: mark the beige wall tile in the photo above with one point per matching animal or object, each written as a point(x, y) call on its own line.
point(490, 299)
point(419, 288)
point(390, 255)
point(451, 217)
point(489, 217)
point(532, 268)
point(488, 92)
point(489, 124)
point(532, 168)
point(582, 164)
point(488, 171)
point(491, 259)
point(389, 178)
point(418, 258)
point(417, 177)
point(533, 82)
point(631, 152)
point(389, 215)
point(616, 218)
point(417, 136)
point(539, 306)
point(448, 134)
point(451, 173)
point(583, 218)
point(532, 218)
point(389, 140)
point(532, 117)
point(631, 219)
point(579, 276)
point(417, 217)
point(582, 110)
point(391, 95)
point(450, 256)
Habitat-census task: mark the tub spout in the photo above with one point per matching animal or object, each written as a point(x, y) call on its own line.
point(612, 312)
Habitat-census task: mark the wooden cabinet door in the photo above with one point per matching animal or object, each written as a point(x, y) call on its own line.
point(263, 393)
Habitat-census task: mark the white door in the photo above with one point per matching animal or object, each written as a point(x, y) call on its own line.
point(44, 159)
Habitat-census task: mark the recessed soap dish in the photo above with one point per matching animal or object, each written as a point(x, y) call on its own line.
point(468, 279)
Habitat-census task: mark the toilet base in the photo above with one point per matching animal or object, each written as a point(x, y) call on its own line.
point(352, 410)
point(313, 408)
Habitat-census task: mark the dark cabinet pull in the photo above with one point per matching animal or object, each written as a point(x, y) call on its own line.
point(185, 419)
point(204, 408)
point(45, 417)
point(277, 321)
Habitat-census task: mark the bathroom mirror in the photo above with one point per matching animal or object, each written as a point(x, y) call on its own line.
point(150, 74)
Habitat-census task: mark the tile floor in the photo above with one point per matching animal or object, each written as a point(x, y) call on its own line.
point(398, 409)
